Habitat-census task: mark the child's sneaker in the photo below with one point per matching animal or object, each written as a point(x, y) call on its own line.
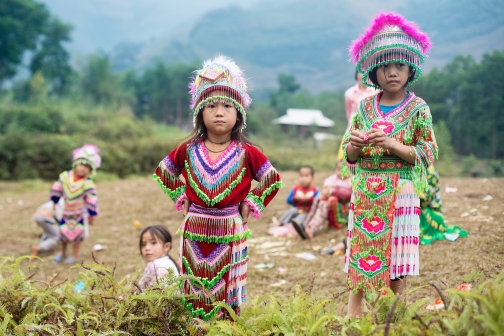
point(58, 259)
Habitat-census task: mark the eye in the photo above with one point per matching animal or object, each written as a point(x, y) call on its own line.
point(400, 65)
point(228, 105)
point(210, 105)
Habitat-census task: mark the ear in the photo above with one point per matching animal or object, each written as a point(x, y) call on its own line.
point(167, 247)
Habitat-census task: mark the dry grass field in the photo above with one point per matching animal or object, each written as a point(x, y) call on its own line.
point(122, 202)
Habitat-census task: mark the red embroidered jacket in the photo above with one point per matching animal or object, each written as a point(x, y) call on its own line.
point(219, 183)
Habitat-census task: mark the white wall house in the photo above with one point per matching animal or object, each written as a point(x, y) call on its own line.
point(302, 120)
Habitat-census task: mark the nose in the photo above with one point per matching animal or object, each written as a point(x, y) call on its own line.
point(392, 70)
point(219, 111)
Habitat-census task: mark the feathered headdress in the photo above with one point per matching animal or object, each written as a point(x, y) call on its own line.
point(391, 38)
point(87, 155)
point(219, 74)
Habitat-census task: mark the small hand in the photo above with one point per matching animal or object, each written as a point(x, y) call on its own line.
point(378, 137)
point(92, 220)
point(187, 204)
point(244, 212)
point(358, 139)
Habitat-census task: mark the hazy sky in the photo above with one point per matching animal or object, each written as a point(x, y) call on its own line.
point(101, 24)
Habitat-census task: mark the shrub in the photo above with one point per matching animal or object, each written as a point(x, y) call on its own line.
point(29, 119)
point(100, 306)
point(104, 306)
point(476, 312)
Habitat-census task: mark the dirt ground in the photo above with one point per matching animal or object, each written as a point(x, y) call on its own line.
point(123, 202)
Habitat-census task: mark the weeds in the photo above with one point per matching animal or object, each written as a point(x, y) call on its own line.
point(29, 306)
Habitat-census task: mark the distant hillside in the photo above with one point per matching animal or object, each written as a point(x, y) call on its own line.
point(310, 38)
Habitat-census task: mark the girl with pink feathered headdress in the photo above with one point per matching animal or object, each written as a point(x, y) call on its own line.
point(387, 151)
point(78, 189)
point(218, 165)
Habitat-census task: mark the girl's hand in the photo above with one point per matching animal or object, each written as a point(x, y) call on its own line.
point(187, 204)
point(92, 220)
point(378, 137)
point(358, 139)
point(244, 211)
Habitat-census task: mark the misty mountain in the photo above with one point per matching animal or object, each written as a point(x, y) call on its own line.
point(310, 38)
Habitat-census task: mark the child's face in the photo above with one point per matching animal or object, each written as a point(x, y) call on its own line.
point(153, 248)
point(82, 170)
point(326, 191)
point(392, 77)
point(219, 118)
point(305, 177)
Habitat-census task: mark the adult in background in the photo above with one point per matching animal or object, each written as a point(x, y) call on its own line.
point(352, 98)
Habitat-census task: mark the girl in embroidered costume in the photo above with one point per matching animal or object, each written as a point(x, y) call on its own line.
point(387, 150)
point(218, 164)
point(76, 186)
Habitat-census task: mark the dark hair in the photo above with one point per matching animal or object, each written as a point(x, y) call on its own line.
point(374, 78)
point(161, 233)
point(312, 171)
point(356, 73)
point(236, 132)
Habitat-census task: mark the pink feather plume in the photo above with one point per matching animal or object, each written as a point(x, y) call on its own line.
point(389, 19)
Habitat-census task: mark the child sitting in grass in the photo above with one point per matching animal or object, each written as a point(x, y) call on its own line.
point(300, 198)
point(155, 243)
point(330, 205)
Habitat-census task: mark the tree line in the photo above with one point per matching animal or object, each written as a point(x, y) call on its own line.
point(466, 95)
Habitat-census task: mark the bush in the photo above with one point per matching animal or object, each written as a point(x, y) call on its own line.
point(476, 312)
point(103, 306)
point(100, 305)
point(445, 164)
point(29, 119)
point(297, 153)
point(37, 142)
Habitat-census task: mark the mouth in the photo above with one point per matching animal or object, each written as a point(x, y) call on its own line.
point(393, 82)
point(220, 122)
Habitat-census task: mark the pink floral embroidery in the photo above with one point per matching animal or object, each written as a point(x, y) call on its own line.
point(370, 264)
point(375, 184)
point(376, 224)
point(385, 125)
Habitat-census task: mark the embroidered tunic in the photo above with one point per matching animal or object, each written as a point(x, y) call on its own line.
point(214, 239)
point(80, 196)
point(383, 226)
